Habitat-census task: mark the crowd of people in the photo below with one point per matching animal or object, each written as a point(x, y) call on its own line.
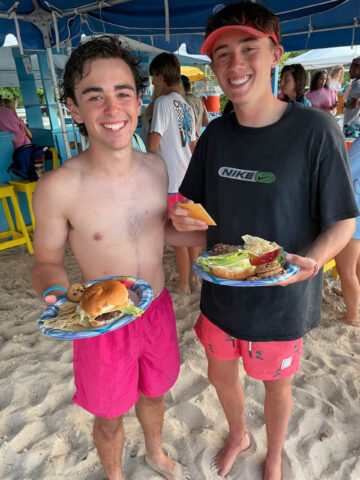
point(128, 197)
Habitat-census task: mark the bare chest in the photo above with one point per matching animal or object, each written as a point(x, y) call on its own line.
point(113, 214)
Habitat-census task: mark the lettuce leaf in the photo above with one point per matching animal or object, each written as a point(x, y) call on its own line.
point(132, 310)
point(234, 260)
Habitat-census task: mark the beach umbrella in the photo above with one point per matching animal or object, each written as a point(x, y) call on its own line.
point(194, 73)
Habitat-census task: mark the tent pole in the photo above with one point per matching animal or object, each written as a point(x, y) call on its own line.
point(57, 97)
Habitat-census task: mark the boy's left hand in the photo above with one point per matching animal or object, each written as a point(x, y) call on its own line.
point(308, 268)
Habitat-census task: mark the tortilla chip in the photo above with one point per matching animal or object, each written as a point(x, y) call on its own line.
point(258, 246)
point(198, 212)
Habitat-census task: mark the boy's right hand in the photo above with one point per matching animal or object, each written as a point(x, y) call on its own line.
point(181, 221)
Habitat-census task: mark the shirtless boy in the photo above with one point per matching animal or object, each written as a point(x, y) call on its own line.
point(275, 170)
point(110, 204)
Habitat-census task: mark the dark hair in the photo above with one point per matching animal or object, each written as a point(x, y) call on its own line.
point(315, 78)
point(245, 13)
point(299, 74)
point(186, 83)
point(96, 48)
point(167, 65)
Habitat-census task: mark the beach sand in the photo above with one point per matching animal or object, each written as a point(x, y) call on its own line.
point(43, 435)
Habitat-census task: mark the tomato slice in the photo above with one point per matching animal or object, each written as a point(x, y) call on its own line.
point(126, 282)
point(267, 257)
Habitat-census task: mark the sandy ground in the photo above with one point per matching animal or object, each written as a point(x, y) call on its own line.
point(43, 435)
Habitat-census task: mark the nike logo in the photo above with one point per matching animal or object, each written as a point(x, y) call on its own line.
point(246, 175)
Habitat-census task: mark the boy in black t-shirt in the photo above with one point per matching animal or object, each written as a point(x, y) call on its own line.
point(274, 170)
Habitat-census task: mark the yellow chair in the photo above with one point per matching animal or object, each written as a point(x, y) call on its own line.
point(55, 157)
point(27, 187)
point(20, 237)
point(331, 265)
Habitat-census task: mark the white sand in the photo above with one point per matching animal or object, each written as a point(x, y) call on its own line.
point(43, 435)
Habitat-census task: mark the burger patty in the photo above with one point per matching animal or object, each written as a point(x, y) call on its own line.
point(108, 316)
point(267, 270)
point(222, 248)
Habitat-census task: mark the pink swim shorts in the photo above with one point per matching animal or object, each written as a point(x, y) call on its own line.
point(262, 360)
point(174, 198)
point(110, 370)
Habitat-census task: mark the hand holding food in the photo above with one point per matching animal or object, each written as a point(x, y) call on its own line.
point(308, 269)
point(182, 221)
point(198, 212)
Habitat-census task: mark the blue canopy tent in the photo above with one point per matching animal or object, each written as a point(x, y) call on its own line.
point(39, 24)
point(166, 24)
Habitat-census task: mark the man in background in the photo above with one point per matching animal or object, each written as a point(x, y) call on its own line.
point(352, 105)
point(172, 136)
point(201, 115)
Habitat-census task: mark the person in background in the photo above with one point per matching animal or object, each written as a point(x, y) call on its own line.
point(12, 105)
point(352, 105)
point(201, 115)
point(348, 260)
point(229, 108)
point(146, 117)
point(10, 122)
point(336, 78)
point(172, 135)
point(320, 94)
point(292, 84)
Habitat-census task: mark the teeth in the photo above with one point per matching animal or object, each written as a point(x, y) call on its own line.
point(114, 126)
point(240, 81)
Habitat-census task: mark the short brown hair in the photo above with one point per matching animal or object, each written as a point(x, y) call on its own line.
point(245, 13)
point(299, 74)
point(167, 65)
point(105, 46)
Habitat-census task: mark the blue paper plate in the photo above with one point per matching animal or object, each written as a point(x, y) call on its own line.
point(140, 293)
point(290, 272)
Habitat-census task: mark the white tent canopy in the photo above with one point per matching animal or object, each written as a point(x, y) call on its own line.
point(326, 57)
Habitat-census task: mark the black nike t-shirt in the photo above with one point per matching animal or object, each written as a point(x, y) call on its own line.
point(284, 182)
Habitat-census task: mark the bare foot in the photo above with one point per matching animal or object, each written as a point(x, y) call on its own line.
point(353, 322)
point(168, 468)
point(272, 469)
point(225, 459)
point(162, 461)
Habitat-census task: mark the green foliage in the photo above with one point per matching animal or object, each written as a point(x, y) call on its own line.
point(287, 55)
point(11, 92)
point(223, 101)
point(15, 92)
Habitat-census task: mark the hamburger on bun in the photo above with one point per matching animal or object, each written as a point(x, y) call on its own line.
point(259, 259)
point(105, 301)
